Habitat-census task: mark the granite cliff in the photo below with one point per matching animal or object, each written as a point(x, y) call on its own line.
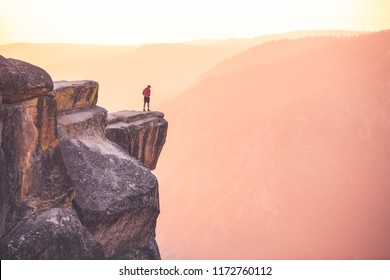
point(75, 182)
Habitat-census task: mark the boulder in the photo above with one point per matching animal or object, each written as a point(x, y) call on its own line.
point(141, 134)
point(21, 80)
point(36, 178)
point(53, 234)
point(75, 94)
point(87, 123)
point(116, 198)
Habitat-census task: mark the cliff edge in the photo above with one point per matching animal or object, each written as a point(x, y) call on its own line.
point(66, 190)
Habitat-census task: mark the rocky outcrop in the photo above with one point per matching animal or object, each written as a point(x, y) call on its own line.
point(75, 95)
point(53, 234)
point(21, 80)
point(141, 134)
point(35, 180)
point(87, 123)
point(116, 197)
point(66, 191)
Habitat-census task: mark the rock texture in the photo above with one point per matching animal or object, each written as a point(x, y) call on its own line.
point(54, 234)
point(75, 95)
point(88, 123)
point(67, 192)
point(21, 80)
point(3, 173)
point(116, 198)
point(36, 177)
point(142, 134)
point(34, 181)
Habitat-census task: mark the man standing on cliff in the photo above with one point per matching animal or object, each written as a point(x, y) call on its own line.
point(146, 93)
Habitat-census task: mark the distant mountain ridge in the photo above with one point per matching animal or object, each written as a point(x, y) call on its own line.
point(284, 155)
point(46, 54)
point(123, 71)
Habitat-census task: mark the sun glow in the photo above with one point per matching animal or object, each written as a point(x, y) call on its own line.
point(140, 22)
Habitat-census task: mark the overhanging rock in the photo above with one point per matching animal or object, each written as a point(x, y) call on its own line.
point(141, 134)
point(116, 197)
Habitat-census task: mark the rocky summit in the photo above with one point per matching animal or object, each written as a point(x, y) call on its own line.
point(75, 182)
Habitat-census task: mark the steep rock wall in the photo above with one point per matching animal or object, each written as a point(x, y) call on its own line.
point(34, 160)
point(34, 179)
point(116, 197)
point(67, 192)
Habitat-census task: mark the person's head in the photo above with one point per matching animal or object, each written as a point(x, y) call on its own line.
point(149, 86)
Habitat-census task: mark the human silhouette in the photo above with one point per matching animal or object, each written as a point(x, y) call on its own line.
point(146, 93)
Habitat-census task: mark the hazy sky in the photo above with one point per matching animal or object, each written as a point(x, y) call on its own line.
point(157, 21)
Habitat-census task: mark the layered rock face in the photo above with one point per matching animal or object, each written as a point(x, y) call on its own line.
point(142, 134)
point(66, 191)
point(75, 95)
point(34, 178)
point(32, 157)
point(34, 160)
point(116, 197)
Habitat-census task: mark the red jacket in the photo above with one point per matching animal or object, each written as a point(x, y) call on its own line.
point(146, 92)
